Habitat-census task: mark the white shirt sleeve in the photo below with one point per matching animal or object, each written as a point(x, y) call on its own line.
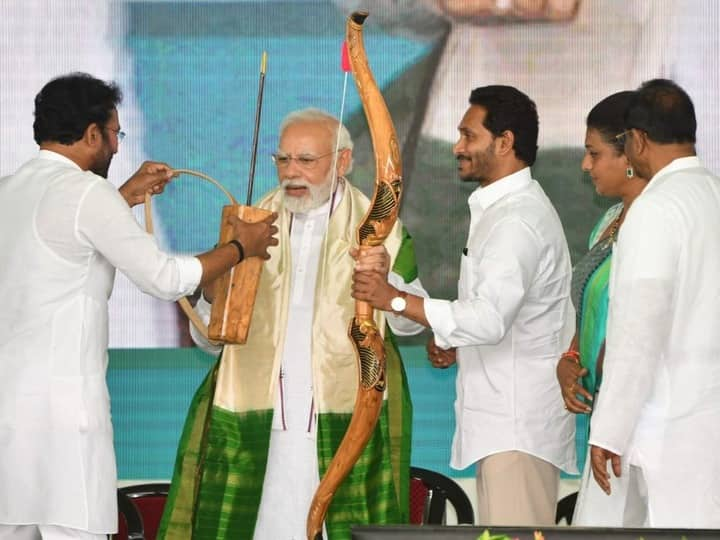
point(495, 281)
point(402, 326)
point(639, 320)
point(203, 308)
point(105, 222)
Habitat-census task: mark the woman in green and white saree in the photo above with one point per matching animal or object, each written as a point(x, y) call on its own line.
point(579, 370)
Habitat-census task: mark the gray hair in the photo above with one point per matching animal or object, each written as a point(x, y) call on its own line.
point(312, 114)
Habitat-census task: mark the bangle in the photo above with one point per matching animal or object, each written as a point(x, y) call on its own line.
point(241, 251)
point(572, 355)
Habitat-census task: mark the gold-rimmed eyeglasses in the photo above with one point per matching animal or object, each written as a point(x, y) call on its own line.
point(306, 161)
point(118, 132)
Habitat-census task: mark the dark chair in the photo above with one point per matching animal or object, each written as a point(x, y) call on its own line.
point(566, 508)
point(429, 492)
point(130, 524)
point(150, 502)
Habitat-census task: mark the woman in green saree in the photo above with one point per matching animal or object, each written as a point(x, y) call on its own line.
point(579, 370)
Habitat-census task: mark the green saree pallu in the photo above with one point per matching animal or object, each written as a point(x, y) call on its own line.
point(590, 295)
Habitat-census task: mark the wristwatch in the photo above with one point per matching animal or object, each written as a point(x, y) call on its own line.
point(399, 303)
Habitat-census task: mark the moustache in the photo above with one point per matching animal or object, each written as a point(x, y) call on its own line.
point(462, 157)
point(294, 182)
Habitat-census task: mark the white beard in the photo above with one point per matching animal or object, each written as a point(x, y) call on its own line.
point(316, 196)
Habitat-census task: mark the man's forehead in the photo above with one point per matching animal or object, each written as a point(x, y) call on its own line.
point(473, 119)
point(114, 117)
point(311, 134)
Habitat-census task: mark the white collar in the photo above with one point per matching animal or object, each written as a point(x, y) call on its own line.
point(54, 156)
point(484, 197)
point(689, 162)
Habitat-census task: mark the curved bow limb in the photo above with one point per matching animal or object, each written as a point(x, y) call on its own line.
point(373, 229)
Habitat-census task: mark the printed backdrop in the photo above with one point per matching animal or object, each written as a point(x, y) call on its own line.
point(189, 71)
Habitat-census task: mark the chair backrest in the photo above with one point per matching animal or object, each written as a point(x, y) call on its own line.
point(130, 523)
point(419, 501)
point(566, 508)
point(150, 502)
point(429, 493)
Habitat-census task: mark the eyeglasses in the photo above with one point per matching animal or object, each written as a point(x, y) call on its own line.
point(118, 132)
point(306, 161)
point(622, 137)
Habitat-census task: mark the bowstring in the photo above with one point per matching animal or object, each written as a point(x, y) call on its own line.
point(334, 183)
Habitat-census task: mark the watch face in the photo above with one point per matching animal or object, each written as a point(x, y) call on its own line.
point(398, 303)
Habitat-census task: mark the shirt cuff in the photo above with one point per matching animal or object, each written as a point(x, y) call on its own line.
point(402, 326)
point(439, 314)
point(190, 273)
point(414, 287)
point(203, 308)
point(611, 447)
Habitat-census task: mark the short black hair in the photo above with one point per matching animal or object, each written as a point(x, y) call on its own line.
point(608, 118)
point(68, 104)
point(508, 109)
point(664, 111)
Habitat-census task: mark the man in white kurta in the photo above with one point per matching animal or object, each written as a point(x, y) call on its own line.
point(511, 320)
point(64, 229)
point(658, 412)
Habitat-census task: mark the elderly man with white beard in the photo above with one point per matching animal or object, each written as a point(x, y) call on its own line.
point(280, 404)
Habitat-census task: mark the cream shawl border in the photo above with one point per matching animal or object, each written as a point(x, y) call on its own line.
point(248, 374)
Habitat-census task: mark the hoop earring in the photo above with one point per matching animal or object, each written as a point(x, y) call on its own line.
point(629, 172)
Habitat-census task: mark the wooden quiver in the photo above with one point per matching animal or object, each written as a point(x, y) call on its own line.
point(235, 291)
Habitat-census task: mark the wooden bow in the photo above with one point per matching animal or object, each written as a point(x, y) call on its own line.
point(372, 231)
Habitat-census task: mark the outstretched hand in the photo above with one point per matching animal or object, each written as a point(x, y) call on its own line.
point(370, 278)
point(151, 177)
point(371, 259)
point(257, 237)
point(373, 288)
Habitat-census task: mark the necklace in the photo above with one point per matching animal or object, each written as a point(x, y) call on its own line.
point(613, 229)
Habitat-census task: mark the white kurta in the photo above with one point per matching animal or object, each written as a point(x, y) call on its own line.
point(62, 234)
point(659, 405)
point(512, 320)
point(293, 437)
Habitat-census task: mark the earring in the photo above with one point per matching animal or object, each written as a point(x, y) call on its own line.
point(629, 172)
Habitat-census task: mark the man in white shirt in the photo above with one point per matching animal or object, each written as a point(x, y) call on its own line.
point(511, 321)
point(658, 410)
point(63, 231)
point(281, 403)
